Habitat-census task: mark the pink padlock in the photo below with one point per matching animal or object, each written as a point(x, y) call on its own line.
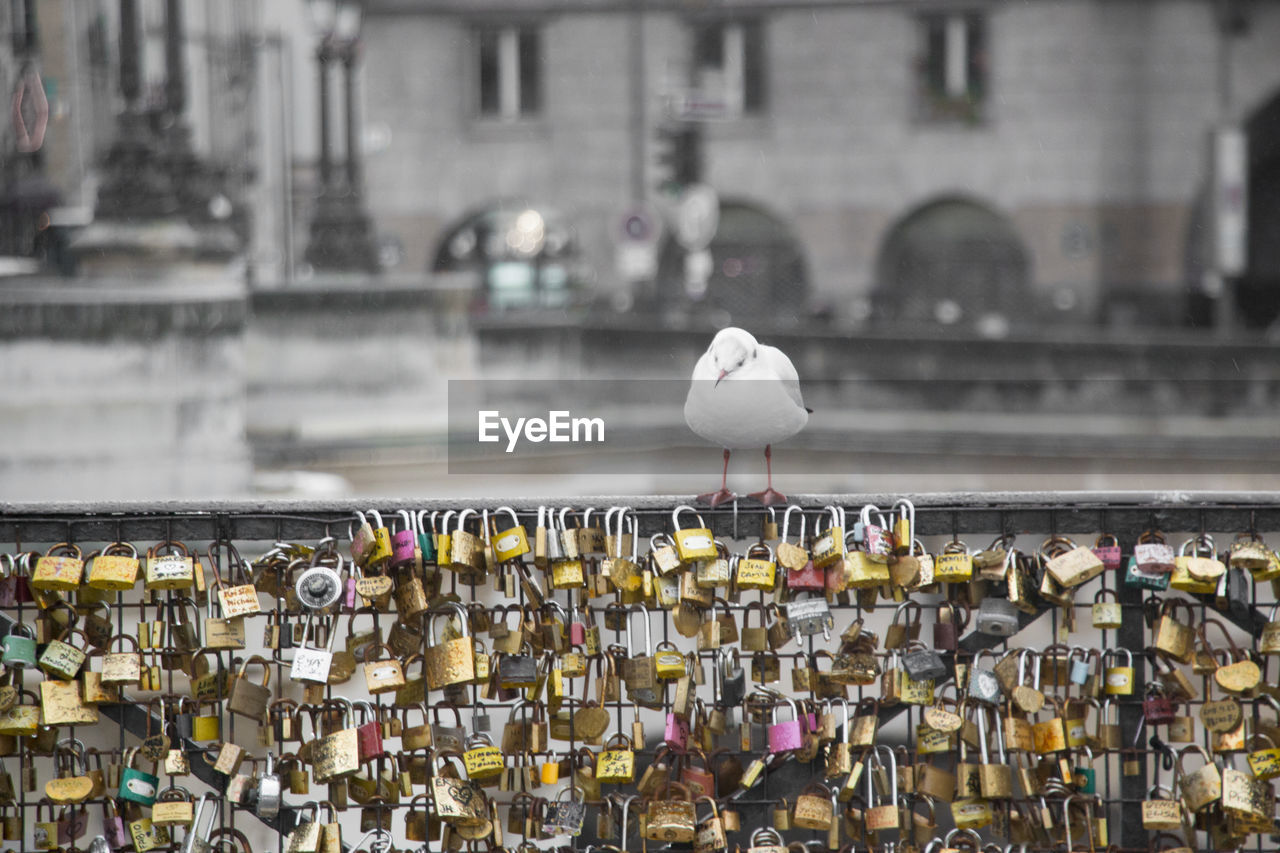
point(787, 734)
point(677, 733)
point(1107, 549)
point(404, 543)
point(577, 632)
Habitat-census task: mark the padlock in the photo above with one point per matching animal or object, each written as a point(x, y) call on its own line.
point(169, 565)
point(640, 672)
point(1196, 569)
point(114, 568)
point(483, 760)
point(731, 678)
point(873, 534)
point(466, 549)
point(19, 647)
point(1174, 638)
point(1073, 565)
point(174, 806)
point(900, 632)
point(313, 664)
point(922, 663)
point(829, 543)
point(1049, 736)
point(136, 785)
point(246, 698)
point(451, 661)
point(1106, 614)
point(813, 808)
point(694, 543)
point(954, 564)
point(616, 764)
point(995, 780)
point(809, 616)
point(984, 684)
point(1107, 548)
point(792, 556)
point(1157, 708)
point(1161, 813)
point(787, 734)
point(119, 668)
point(1200, 787)
point(60, 569)
point(1119, 679)
point(757, 569)
point(382, 674)
point(239, 598)
point(1264, 763)
point(997, 617)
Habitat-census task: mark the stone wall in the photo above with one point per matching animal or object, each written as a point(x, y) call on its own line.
point(110, 389)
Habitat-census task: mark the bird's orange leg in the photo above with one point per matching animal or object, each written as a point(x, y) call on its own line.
point(714, 499)
point(770, 495)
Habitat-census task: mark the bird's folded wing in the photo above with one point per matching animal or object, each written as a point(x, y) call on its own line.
point(778, 362)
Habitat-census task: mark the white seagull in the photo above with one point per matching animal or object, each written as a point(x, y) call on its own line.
point(744, 395)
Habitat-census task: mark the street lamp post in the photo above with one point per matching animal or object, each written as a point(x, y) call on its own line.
point(341, 232)
point(134, 185)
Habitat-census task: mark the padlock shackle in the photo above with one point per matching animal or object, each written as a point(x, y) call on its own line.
point(648, 639)
point(786, 522)
point(675, 516)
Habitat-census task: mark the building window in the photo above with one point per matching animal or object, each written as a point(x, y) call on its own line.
point(510, 73)
point(728, 63)
point(953, 67)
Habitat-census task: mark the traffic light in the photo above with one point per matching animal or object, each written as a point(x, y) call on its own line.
point(679, 156)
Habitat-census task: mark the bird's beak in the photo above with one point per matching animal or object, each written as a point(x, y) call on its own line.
point(722, 375)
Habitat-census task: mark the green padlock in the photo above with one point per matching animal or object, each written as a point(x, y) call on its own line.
point(19, 647)
point(1085, 777)
point(136, 785)
point(427, 537)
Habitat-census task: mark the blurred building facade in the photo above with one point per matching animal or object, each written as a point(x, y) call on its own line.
point(966, 160)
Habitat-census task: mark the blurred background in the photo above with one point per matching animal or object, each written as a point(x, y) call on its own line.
point(245, 246)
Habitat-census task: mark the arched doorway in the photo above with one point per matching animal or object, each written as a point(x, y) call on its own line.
point(758, 266)
point(1259, 290)
point(525, 255)
point(953, 261)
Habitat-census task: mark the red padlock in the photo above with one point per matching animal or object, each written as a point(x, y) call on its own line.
point(368, 733)
point(808, 579)
point(1157, 708)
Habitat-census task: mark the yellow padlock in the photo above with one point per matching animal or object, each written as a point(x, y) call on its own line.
point(483, 760)
point(512, 542)
point(1119, 679)
point(1107, 614)
point(694, 543)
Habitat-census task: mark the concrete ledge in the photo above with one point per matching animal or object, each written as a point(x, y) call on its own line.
point(62, 309)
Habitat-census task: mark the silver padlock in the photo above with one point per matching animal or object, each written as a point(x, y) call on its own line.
point(267, 793)
point(984, 685)
point(922, 663)
point(311, 664)
point(319, 586)
point(808, 616)
point(997, 617)
point(481, 721)
point(197, 839)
